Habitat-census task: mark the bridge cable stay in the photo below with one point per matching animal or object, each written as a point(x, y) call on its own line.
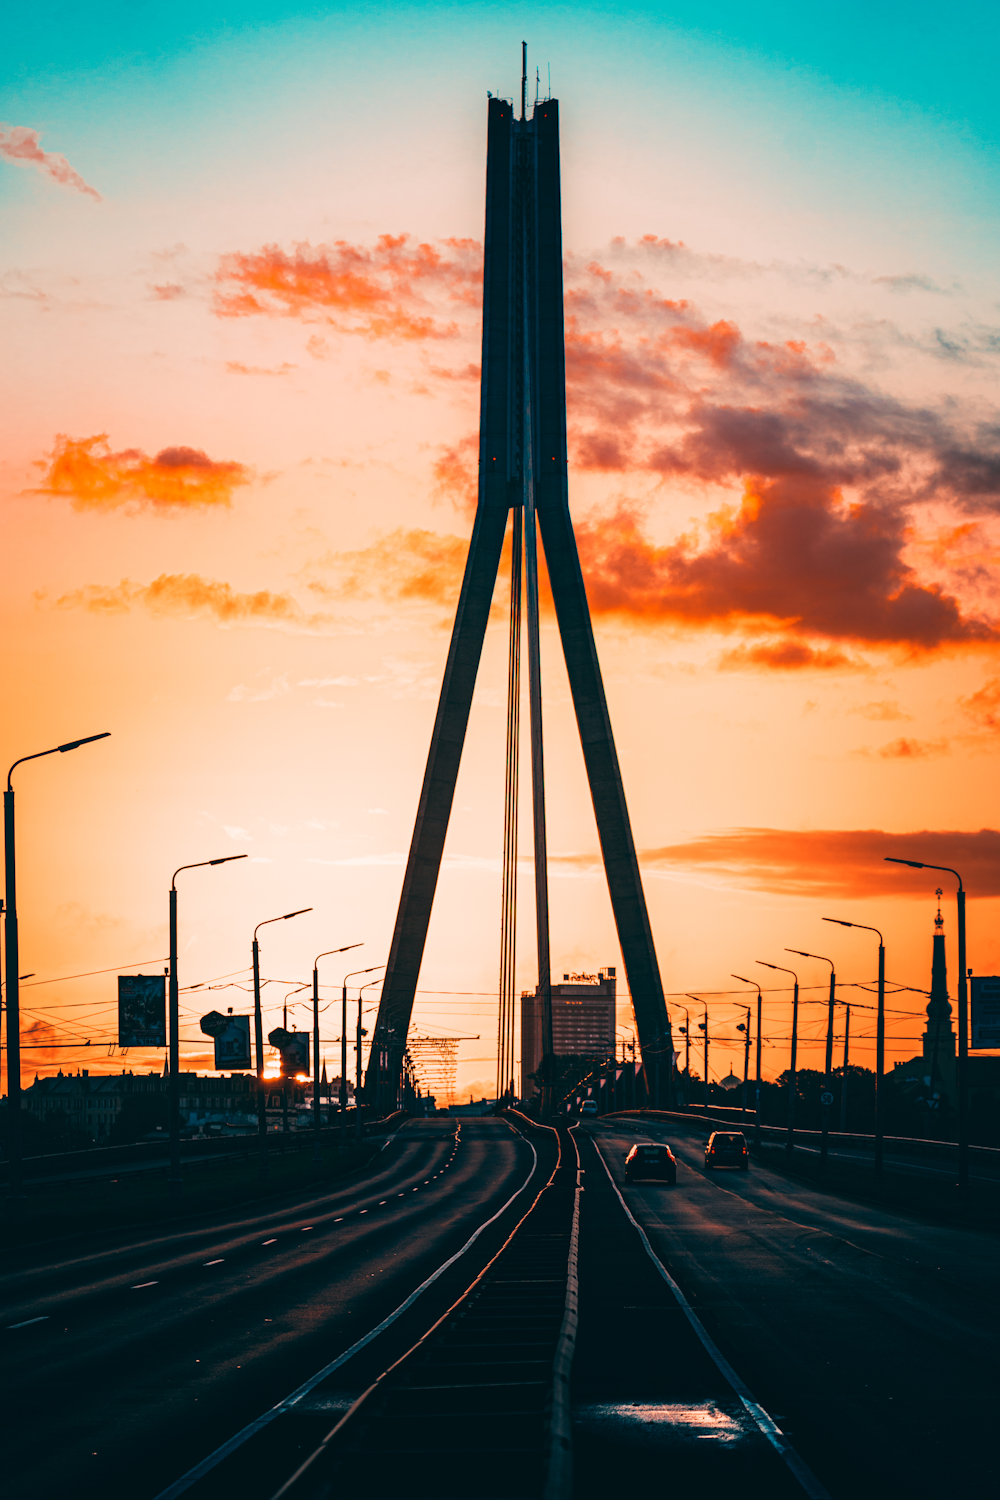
point(508, 913)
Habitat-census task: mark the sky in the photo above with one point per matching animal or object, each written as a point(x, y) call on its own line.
point(240, 266)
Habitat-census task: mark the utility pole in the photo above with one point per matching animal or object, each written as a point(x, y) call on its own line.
point(792, 1074)
point(262, 1163)
point(843, 1080)
point(756, 1124)
point(827, 1098)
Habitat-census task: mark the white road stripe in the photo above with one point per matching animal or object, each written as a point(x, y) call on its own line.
point(214, 1262)
point(807, 1479)
point(139, 1285)
point(28, 1322)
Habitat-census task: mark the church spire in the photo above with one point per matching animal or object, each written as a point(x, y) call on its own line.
point(939, 1038)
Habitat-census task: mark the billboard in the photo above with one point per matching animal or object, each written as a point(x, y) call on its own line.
point(294, 1049)
point(232, 1046)
point(984, 1030)
point(142, 1010)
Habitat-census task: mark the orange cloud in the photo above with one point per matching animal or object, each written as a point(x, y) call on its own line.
point(87, 472)
point(909, 749)
point(188, 595)
point(411, 565)
point(21, 144)
point(456, 473)
point(789, 656)
point(382, 291)
point(794, 554)
point(839, 862)
point(983, 706)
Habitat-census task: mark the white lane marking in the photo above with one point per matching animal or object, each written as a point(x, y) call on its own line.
point(807, 1479)
point(339, 1221)
point(270, 1242)
point(28, 1322)
point(208, 1464)
point(307, 1229)
point(214, 1262)
point(362, 1210)
point(383, 1203)
point(139, 1285)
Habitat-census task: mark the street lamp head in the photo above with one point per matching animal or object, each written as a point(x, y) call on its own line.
point(300, 913)
point(331, 951)
point(914, 864)
point(838, 922)
point(226, 858)
point(75, 744)
point(819, 956)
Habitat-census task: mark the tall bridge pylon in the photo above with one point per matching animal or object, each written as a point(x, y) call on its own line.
point(523, 468)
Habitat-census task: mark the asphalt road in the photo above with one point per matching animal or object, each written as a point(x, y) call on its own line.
point(130, 1364)
point(870, 1334)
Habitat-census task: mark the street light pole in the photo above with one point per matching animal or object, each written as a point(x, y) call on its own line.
point(827, 1098)
point(687, 1049)
point(174, 1054)
point(963, 1019)
point(703, 1026)
point(258, 1021)
point(344, 1046)
point(15, 1178)
point(343, 1054)
point(358, 1130)
point(792, 1076)
point(879, 1040)
point(746, 1062)
point(756, 1124)
point(843, 1086)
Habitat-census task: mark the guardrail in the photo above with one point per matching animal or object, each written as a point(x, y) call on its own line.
point(191, 1150)
point(904, 1145)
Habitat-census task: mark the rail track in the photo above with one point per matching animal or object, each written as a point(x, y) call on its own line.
point(480, 1405)
point(484, 1400)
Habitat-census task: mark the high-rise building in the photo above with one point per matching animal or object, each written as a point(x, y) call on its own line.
point(583, 1022)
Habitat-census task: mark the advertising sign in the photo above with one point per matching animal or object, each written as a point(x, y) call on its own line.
point(142, 1010)
point(985, 1018)
point(294, 1049)
point(295, 1054)
point(232, 1046)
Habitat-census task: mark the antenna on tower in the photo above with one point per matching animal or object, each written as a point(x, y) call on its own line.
point(538, 85)
point(524, 78)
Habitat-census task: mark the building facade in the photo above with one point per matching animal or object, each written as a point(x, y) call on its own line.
point(583, 1022)
point(93, 1102)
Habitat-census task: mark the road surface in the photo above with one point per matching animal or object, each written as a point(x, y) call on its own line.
point(870, 1334)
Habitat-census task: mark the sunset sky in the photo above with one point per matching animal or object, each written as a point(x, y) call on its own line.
point(241, 261)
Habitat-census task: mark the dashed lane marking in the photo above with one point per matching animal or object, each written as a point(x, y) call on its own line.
point(140, 1284)
point(214, 1262)
point(270, 1242)
point(209, 1463)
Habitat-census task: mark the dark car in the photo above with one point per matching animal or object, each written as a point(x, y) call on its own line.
point(727, 1148)
point(648, 1159)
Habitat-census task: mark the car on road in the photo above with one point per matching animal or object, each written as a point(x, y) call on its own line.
point(727, 1148)
point(650, 1159)
point(588, 1107)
